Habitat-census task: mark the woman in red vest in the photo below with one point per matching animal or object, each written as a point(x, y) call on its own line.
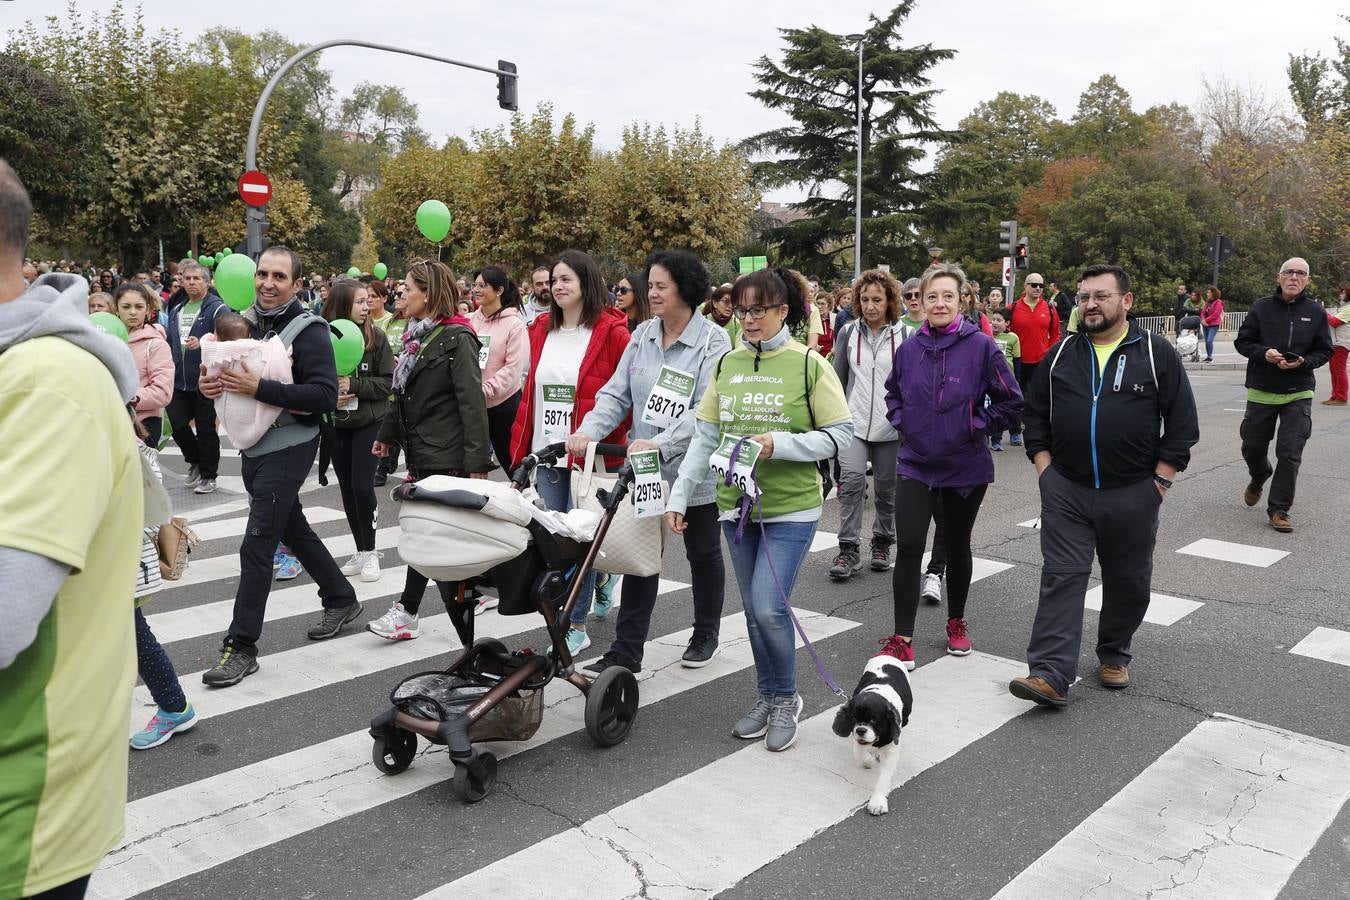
point(1036, 325)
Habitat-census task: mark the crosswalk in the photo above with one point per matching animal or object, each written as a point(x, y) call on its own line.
point(1229, 809)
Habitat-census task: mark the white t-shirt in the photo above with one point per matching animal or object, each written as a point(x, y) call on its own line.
point(555, 384)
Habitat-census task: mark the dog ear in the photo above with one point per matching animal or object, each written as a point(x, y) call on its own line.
point(843, 720)
point(891, 727)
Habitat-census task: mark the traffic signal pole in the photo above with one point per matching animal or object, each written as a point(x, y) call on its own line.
point(256, 218)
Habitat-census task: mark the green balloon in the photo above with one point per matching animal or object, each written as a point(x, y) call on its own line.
point(349, 345)
point(433, 220)
point(353, 272)
point(380, 271)
point(226, 252)
point(220, 254)
point(234, 281)
point(108, 323)
point(207, 261)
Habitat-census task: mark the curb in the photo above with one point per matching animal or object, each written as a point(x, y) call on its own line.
point(1214, 367)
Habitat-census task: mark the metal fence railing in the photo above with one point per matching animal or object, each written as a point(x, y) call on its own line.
point(1168, 324)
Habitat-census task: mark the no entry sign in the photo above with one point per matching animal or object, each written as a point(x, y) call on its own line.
point(255, 188)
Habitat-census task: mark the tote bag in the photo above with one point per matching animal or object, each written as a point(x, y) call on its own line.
point(632, 546)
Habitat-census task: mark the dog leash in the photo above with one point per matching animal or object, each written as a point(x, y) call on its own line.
point(746, 506)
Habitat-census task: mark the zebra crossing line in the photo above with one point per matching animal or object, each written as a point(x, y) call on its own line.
point(1328, 644)
point(226, 528)
point(184, 830)
point(216, 568)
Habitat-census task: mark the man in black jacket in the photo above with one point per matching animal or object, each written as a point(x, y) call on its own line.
point(1284, 337)
point(1110, 420)
point(276, 467)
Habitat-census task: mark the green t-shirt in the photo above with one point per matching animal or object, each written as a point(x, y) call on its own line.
point(393, 328)
point(1104, 352)
point(746, 400)
point(187, 316)
point(65, 700)
point(1011, 345)
point(912, 323)
point(1273, 399)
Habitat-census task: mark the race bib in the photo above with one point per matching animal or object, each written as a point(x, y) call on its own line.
point(649, 498)
point(671, 396)
point(485, 340)
point(350, 404)
point(744, 476)
point(557, 411)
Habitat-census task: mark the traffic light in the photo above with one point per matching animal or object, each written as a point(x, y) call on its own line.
point(1020, 257)
point(506, 85)
point(1007, 236)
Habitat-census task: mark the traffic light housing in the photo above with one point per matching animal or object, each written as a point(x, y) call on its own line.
point(1007, 236)
point(506, 85)
point(1020, 257)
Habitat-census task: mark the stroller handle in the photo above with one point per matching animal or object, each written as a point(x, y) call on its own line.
point(547, 456)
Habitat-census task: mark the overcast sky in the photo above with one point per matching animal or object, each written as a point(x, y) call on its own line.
point(611, 62)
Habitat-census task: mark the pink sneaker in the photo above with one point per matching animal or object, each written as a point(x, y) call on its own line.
point(901, 649)
point(958, 637)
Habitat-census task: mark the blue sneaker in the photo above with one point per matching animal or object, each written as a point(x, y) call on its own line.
point(1016, 440)
point(996, 445)
point(280, 555)
point(162, 726)
point(289, 568)
point(577, 641)
point(604, 594)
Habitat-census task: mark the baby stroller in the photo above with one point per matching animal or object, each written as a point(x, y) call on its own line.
point(1188, 338)
point(490, 693)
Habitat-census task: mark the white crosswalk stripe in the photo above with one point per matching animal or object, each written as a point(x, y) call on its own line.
point(1162, 609)
point(224, 528)
point(1329, 644)
point(216, 568)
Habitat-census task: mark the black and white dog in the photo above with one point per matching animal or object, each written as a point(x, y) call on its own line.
point(873, 717)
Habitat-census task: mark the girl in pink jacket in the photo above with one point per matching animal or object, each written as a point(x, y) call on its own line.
point(137, 309)
point(1211, 317)
point(505, 352)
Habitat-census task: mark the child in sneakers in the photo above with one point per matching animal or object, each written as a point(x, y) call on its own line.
point(1011, 345)
point(245, 419)
point(152, 663)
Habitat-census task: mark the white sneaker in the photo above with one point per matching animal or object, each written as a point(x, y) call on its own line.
point(932, 587)
point(370, 568)
point(484, 604)
point(205, 486)
point(355, 564)
point(396, 625)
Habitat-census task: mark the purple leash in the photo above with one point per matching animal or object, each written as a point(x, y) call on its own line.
point(746, 506)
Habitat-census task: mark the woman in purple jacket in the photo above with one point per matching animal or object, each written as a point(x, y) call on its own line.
point(935, 398)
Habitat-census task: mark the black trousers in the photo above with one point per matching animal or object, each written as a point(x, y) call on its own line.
point(1023, 380)
point(914, 502)
point(355, 466)
point(275, 515)
point(71, 890)
point(201, 447)
point(1120, 525)
point(154, 426)
point(500, 419)
point(1257, 430)
point(937, 562)
point(703, 549)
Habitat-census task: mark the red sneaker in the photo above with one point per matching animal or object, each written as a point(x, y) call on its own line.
point(958, 637)
point(901, 649)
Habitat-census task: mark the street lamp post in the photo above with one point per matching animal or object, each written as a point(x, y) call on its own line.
point(857, 183)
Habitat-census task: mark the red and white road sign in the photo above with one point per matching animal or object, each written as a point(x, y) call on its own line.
point(1007, 271)
point(255, 188)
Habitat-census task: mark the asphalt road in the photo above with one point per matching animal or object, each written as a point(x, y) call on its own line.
point(273, 794)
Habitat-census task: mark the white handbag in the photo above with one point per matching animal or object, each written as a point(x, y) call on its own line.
point(632, 546)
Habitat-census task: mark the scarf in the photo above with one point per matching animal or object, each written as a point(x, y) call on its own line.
point(412, 345)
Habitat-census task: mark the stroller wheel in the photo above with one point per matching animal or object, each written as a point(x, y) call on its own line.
point(611, 706)
point(394, 753)
point(469, 788)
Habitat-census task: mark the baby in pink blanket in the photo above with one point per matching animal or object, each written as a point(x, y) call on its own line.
point(244, 418)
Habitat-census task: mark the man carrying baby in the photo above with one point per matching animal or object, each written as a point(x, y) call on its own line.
point(276, 467)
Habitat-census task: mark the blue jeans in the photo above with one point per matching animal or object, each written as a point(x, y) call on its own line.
point(779, 549)
point(1210, 331)
point(555, 489)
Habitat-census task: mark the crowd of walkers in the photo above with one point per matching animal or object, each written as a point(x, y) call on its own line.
point(757, 395)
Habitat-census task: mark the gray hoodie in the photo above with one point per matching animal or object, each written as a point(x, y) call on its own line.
point(57, 304)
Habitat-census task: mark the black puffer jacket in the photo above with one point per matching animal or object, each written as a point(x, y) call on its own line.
point(370, 383)
point(440, 417)
point(1297, 326)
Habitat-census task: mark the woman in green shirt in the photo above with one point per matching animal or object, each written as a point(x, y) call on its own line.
point(778, 410)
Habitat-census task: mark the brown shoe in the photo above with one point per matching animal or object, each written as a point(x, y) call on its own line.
point(1037, 690)
point(1281, 522)
point(1333, 403)
point(1113, 676)
point(1252, 495)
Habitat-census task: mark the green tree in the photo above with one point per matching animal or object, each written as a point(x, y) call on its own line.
point(375, 121)
point(816, 85)
point(1105, 122)
point(678, 191)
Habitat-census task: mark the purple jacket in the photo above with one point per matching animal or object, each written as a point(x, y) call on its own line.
point(935, 399)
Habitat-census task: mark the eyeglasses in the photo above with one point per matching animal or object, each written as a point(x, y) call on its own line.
point(754, 312)
point(1295, 273)
point(1099, 296)
point(622, 291)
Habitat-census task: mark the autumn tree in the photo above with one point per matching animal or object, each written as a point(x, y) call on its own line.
point(408, 178)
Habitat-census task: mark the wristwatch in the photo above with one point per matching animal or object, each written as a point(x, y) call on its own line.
point(1161, 481)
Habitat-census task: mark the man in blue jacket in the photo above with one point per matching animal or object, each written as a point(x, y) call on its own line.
point(1285, 337)
point(192, 314)
point(1110, 420)
point(276, 467)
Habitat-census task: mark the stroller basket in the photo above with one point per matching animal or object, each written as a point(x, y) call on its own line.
point(439, 696)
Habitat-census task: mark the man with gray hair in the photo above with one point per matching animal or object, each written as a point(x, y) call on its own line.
point(1285, 337)
point(70, 541)
point(192, 315)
